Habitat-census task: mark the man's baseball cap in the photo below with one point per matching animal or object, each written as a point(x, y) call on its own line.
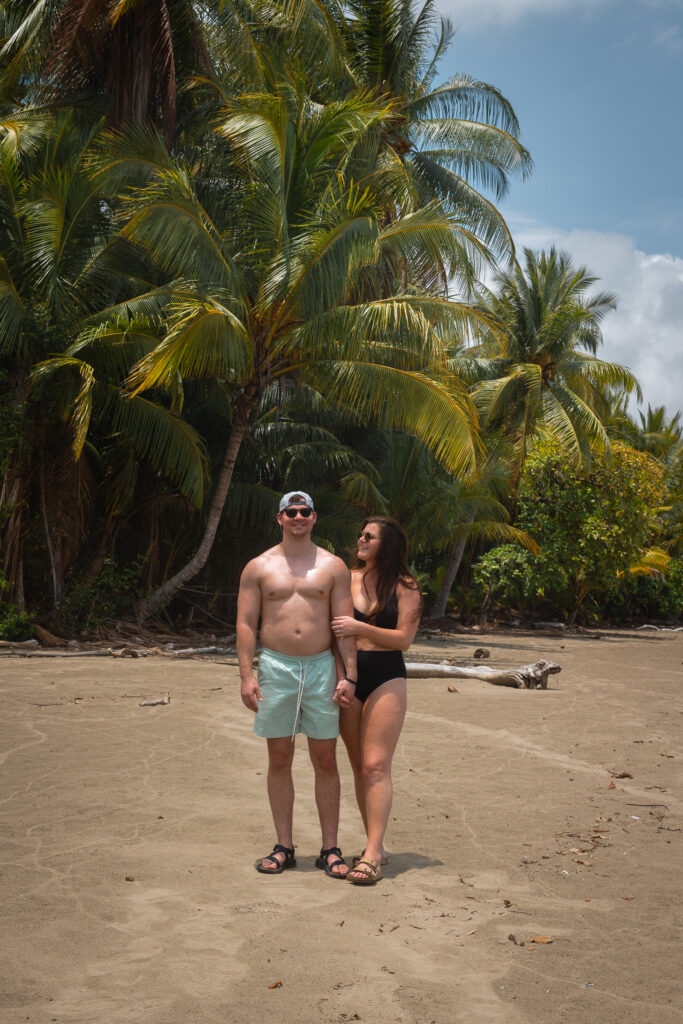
point(295, 498)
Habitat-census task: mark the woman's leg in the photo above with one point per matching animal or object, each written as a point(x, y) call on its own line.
point(382, 719)
point(349, 730)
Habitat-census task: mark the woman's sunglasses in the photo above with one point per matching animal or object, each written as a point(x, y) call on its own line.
point(367, 537)
point(292, 513)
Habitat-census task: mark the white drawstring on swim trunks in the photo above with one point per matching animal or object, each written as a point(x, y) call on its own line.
point(303, 666)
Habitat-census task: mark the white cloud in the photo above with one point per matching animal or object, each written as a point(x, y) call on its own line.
point(670, 37)
point(645, 332)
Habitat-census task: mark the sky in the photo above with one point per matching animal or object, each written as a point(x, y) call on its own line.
point(597, 86)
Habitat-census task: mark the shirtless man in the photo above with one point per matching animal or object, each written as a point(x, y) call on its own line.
point(296, 588)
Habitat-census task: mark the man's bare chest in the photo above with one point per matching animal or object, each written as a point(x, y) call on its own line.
point(285, 585)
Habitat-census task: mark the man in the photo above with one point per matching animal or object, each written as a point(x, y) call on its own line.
point(295, 589)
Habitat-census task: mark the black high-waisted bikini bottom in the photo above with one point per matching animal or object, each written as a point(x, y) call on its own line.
point(377, 667)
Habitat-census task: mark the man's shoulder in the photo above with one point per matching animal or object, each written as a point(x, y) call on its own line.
point(333, 563)
point(257, 565)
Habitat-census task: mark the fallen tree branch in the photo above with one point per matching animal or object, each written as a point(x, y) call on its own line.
point(155, 703)
point(108, 652)
point(64, 654)
point(187, 652)
point(662, 629)
point(528, 677)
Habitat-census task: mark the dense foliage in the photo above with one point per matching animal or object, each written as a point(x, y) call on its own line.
point(593, 526)
point(241, 250)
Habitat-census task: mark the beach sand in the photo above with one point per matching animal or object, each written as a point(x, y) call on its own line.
point(129, 834)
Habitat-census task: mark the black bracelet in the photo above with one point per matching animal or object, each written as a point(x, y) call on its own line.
point(354, 682)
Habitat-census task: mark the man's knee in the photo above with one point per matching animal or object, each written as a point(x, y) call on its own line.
point(280, 756)
point(324, 756)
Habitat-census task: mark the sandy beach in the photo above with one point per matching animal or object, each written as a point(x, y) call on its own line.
point(129, 835)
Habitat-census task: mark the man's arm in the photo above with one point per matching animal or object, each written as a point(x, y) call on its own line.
point(248, 611)
point(342, 604)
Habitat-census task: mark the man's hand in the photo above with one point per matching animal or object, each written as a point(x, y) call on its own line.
point(344, 693)
point(251, 694)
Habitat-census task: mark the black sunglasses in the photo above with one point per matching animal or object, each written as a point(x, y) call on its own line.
point(292, 513)
point(367, 537)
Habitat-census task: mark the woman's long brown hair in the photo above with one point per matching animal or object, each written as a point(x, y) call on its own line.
point(391, 563)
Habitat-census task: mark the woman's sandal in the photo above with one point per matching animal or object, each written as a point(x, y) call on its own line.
point(358, 857)
point(371, 870)
point(321, 862)
point(280, 866)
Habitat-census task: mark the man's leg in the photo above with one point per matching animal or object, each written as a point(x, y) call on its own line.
point(324, 760)
point(280, 793)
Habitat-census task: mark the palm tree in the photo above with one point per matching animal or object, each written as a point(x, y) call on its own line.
point(55, 230)
point(662, 435)
point(267, 252)
point(442, 142)
point(50, 227)
point(478, 513)
point(538, 353)
point(124, 52)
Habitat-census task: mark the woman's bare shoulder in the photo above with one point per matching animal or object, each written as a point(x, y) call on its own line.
point(407, 583)
point(408, 589)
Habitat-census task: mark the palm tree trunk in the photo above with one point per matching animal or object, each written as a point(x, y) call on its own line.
point(439, 608)
point(13, 496)
point(163, 594)
point(56, 589)
point(19, 595)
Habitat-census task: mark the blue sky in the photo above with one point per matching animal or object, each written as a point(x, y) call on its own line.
point(598, 89)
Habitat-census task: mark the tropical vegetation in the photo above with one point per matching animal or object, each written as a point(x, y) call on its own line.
point(243, 248)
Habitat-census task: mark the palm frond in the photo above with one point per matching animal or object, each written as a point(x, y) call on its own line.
point(571, 421)
point(12, 313)
point(75, 398)
point(167, 220)
point(204, 339)
point(171, 446)
point(463, 96)
point(361, 489)
point(442, 417)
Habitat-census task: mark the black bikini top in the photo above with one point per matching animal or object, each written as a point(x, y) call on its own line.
point(387, 618)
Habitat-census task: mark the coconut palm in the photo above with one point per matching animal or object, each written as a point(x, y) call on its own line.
point(441, 512)
point(55, 230)
point(442, 142)
point(265, 252)
point(122, 55)
point(538, 352)
point(133, 58)
point(662, 435)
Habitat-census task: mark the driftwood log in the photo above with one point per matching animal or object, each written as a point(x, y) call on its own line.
point(528, 677)
point(107, 652)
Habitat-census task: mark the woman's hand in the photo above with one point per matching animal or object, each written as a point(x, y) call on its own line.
point(344, 693)
point(345, 625)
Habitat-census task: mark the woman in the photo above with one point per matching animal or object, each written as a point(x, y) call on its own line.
point(387, 604)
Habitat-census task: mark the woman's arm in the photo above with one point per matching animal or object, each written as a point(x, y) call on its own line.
point(399, 639)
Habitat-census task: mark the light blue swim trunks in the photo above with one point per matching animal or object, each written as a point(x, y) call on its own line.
point(297, 696)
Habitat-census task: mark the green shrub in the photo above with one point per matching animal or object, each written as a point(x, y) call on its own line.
point(590, 525)
point(645, 597)
point(98, 602)
point(512, 577)
point(15, 624)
